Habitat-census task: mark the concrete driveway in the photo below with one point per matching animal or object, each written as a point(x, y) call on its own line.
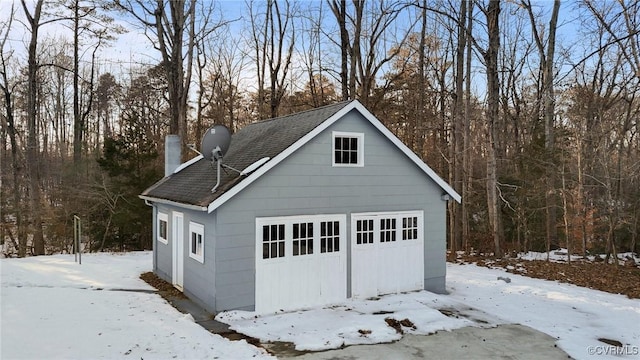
point(502, 342)
point(507, 341)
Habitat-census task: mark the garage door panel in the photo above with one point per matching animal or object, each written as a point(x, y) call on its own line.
point(387, 253)
point(311, 268)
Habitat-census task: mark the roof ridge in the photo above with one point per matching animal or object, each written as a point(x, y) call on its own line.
point(345, 102)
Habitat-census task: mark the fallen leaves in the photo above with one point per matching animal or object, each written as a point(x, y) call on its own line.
point(614, 279)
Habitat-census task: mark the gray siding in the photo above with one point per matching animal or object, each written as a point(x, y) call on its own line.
point(198, 278)
point(162, 265)
point(306, 184)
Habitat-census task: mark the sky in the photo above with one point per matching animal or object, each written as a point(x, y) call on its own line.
point(133, 48)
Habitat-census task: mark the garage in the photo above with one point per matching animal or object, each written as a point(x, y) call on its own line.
point(387, 253)
point(301, 261)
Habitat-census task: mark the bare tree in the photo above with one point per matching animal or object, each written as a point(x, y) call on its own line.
point(490, 56)
point(88, 22)
point(167, 23)
point(547, 97)
point(9, 125)
point(273, 41)
point(367, 51)
point(339, 9)
point(457, 160)
point(33, 149)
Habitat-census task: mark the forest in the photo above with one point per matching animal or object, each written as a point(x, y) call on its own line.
point(527, 108)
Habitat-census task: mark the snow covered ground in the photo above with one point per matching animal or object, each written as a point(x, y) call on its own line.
point(53, 308)
point(576, 316)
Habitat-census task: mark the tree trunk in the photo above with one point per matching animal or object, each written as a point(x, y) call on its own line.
point(21, 243)
point(549, 114)
point(493, 92)
point(458, 130)
point(466, 186)
point(33, 151)
point(339, 9)
point(78, 126)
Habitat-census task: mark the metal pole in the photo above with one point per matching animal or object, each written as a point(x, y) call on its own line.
point(77, 235)
point(79, 241)
point(75, 238)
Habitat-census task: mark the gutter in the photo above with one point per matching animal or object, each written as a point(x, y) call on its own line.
point(148, 200)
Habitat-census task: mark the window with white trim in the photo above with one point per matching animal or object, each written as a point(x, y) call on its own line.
point(329, 236)
point(196, 241)
point(272, 241)
point(410, 228)
point(364, 231)
point(348, 149)
point(387, 230)
point(163, 223)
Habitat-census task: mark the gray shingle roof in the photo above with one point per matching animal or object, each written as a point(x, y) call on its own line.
point(192, 185)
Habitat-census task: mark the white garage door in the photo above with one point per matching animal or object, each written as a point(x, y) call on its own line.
point(301, 261)
point(387, 253)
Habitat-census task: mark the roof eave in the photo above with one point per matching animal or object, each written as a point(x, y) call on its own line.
point(173, 203)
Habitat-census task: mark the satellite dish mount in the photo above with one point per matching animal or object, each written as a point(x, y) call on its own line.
point(215, 144)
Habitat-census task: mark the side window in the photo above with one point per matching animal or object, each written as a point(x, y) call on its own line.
point(272, 241)
point(348, 149)
point(196, 241)
point(163, 222)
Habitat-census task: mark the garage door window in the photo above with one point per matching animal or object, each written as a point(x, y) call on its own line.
point(364, 231)
point(410, 228)
point(272, 241)
point(329, 236)
point(387, 230)
point(302, 239)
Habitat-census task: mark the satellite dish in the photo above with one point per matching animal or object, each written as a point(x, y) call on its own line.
point(215, 142)
point(251, 168)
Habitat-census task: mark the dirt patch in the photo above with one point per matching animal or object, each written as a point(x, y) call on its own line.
point(398, 325)
point(382, 312)
point(165, 289)
point(610, 342)
point(621, 279)
point(394, 324)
